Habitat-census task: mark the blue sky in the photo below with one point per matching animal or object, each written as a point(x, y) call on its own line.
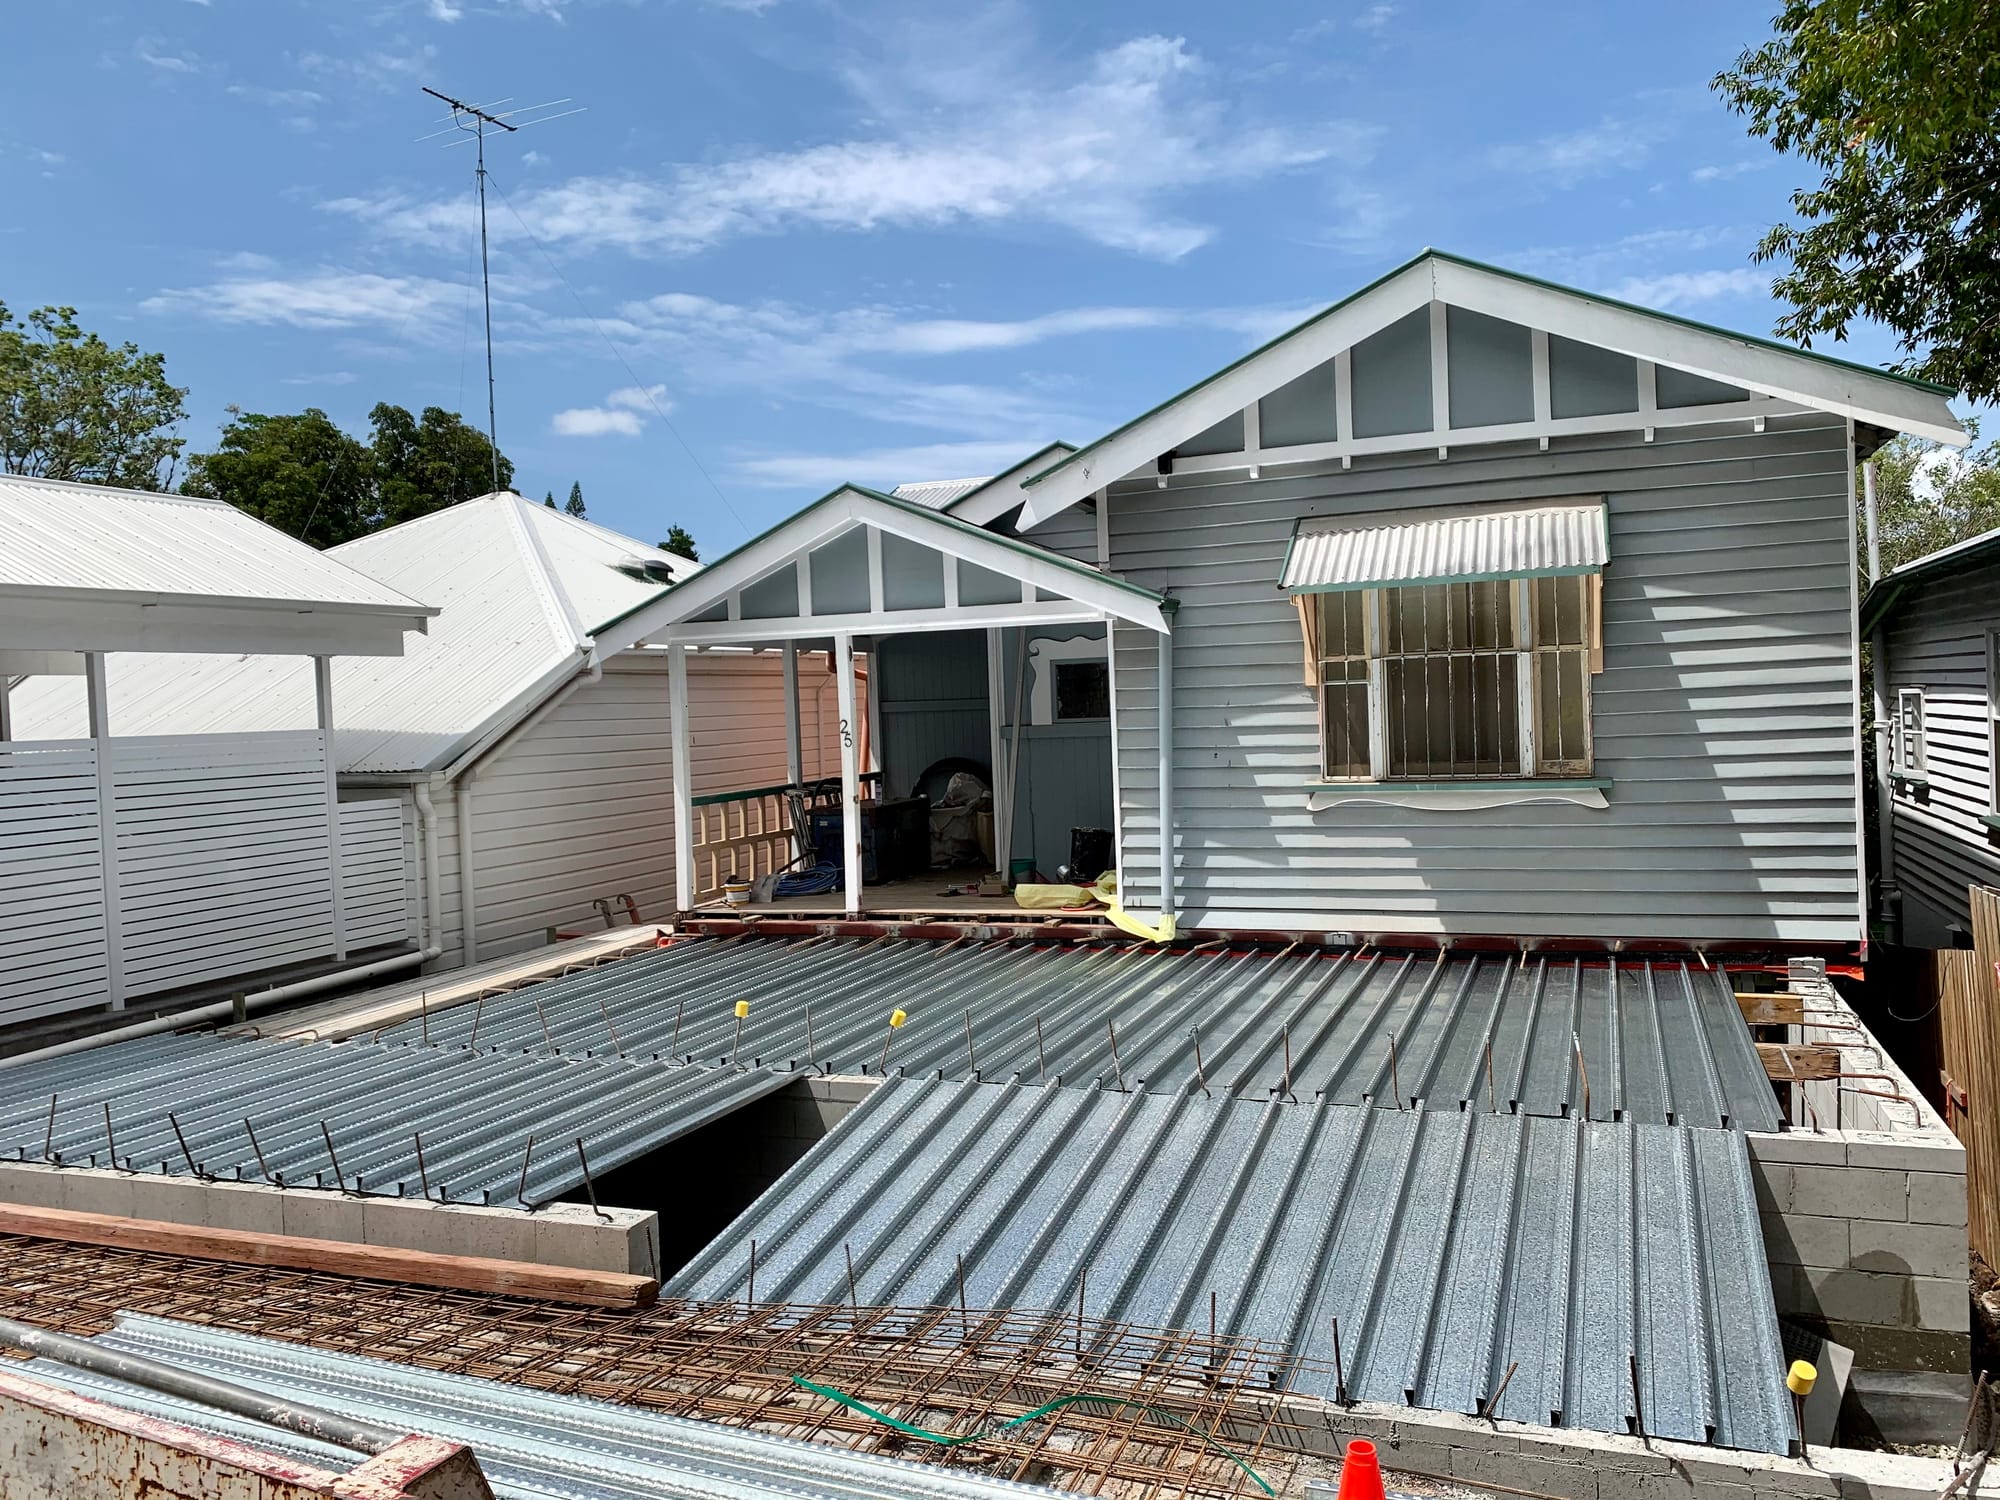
point(794, 241)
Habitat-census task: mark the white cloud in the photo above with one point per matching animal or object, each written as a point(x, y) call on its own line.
point(595, 421)
point(1675, 289)
point(392, 67)
point(1375, 19)
point(881, 466)
point(322, 299)
point(444, 10)
point(1571, 157)
point(623, 413)
point(329, 377)
point(277, 98)
point(1728, 170)
point(154, 53)
point(966, 139)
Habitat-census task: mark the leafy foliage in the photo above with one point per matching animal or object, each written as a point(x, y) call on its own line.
point(1898, 103)
point(1928, 497)
point(306, 476)
point(74, 407)
point(680, 542)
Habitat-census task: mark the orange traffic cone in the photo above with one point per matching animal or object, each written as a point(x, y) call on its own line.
point(1360, 1474)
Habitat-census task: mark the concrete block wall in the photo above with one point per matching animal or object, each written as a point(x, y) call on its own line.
point(1865, 1237)
point(562, 1234)
point(780, 1130)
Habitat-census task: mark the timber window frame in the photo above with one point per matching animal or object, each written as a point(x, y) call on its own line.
point(1455, 683)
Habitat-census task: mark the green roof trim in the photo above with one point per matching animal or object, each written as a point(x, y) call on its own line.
point(1775, 345)
point(1068, 448)
point(922, 512)
point(1889, 590)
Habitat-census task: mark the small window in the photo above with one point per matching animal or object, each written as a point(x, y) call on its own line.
point(1083, 690)
point(1911, 758)
point(1457, 681)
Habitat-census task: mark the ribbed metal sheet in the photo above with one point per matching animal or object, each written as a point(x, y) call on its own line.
point(531, 1445)
point(520, 588)
point(63, 536)
point(936, 494)
point(475, 1112)
point(1662, 1041)
point(1449, 1245)
point(1330, 553)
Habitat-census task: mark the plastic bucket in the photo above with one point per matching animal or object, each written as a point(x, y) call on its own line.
point(736, 892)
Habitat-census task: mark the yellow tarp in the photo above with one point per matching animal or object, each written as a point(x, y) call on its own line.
point(1105, 892)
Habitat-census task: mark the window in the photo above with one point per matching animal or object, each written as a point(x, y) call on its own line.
point(1910, 756)
point(1457, 681)
point(1083, 690)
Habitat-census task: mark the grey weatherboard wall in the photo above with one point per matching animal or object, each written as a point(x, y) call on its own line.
point(1939, 639)
point(1724, 716)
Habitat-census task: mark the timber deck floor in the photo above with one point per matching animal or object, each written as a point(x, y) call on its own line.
point(922, 896)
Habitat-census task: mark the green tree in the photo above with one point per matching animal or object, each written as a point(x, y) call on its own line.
point(1928, 496)
point(549, 499)
point(680, 542)
point(304, 475)
point(422, 465)
point(301, 474)
point(1897, 103)
point(75, 407)
point(575, 506)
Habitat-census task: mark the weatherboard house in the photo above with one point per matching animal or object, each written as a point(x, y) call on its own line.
point(1473, 606)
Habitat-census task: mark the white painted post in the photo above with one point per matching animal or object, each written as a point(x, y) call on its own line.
point(794, 751)
point(850, 772)
point(337, 877)
point(6, 709)
point(996, 714)
point(97, 695)
point(677, 725)
point(1165, 701)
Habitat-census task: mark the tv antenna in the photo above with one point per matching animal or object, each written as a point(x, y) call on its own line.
point(473, 120)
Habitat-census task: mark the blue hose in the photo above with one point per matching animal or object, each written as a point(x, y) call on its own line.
point(817, 881)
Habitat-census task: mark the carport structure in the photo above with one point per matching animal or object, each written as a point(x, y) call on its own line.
point(858, 565)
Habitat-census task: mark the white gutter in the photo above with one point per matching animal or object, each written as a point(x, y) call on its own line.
point(223, 1009)
point(1878, 660)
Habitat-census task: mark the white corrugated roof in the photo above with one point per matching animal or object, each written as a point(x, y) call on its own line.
point(520, 589)
point(937, 493)
point(93, 539)
point(1329, 553)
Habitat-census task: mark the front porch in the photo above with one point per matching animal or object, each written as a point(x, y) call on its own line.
point(985, 657)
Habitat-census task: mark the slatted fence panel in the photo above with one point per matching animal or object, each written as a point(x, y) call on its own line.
point(372, 873)
point(52, 944)
point(1969, 1034)
point(223, 861)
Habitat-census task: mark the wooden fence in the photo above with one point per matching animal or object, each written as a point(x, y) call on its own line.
point(1968, 983)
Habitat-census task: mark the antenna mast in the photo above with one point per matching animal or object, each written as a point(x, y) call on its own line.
point(460, 112)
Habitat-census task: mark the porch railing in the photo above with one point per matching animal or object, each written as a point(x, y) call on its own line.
point(747, 833)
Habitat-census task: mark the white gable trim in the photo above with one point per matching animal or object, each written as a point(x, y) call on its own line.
point(1080, 593)
point(1003, 492)
point(1780, 380)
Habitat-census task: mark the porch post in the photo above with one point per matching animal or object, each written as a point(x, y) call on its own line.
point(98, 698)
point(6, 708)
point(677, 726)
point(850, 772)
point(323, 698)
point(794, 752)
point(1166, 725)
point(996, 715)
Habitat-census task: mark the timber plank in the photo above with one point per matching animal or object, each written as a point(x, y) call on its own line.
point(469, 1273)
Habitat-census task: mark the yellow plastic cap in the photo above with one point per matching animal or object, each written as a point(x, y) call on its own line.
point(1800, 1377)
point(897, 1018)
point(742, 1009)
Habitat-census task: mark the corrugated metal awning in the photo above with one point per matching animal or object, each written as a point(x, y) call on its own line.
point(1333, 553)
point(1450, 1245)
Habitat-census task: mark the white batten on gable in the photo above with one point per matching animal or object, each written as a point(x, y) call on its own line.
point(1766, 380)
